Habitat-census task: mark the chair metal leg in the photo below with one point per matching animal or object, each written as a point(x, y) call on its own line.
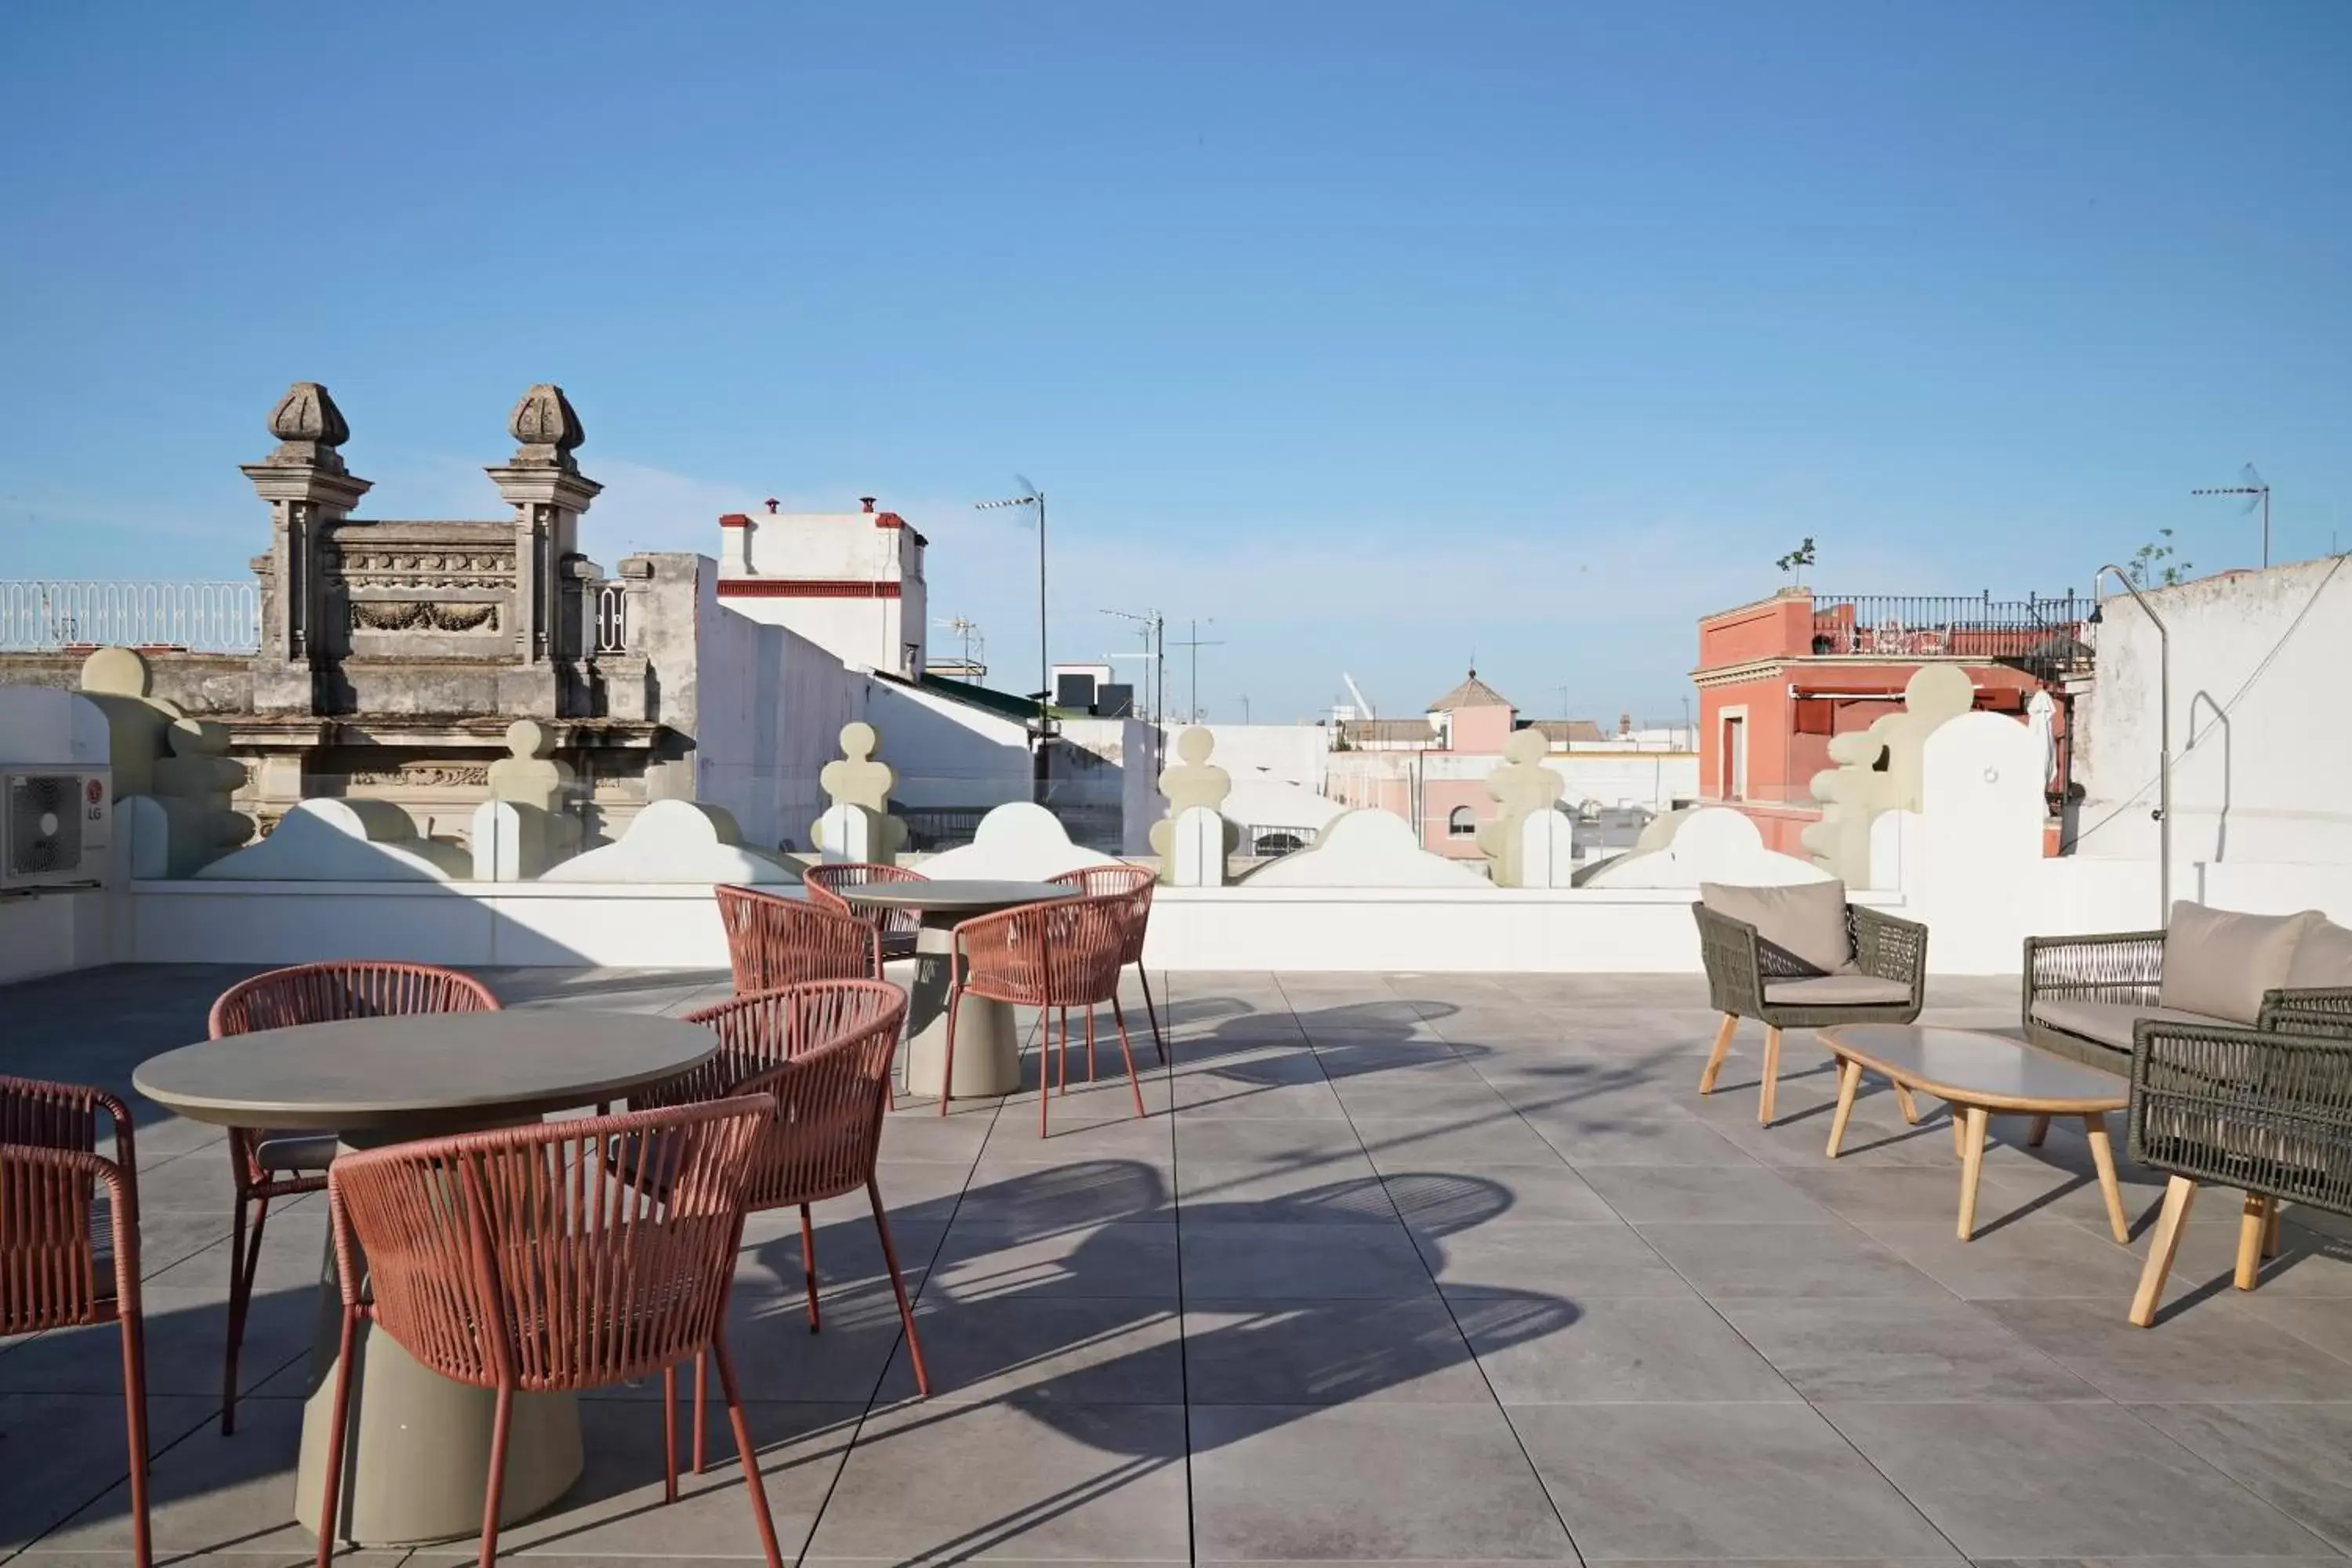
point(1119, 1016)
point(339, 1421)
point(898, 1288)
point(244, 1265)
point(134, 1422)
point(494, 1489)
point(1044, 1064)
point(701, 1406)
point(670, 1434)
point(1159, 1045)
point(947, 1060)
point(808, 1263)
point(752, 1482)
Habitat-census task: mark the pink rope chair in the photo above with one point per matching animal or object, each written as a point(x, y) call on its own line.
point(1135, 882)
point(898, 927)
point(1050, 956)
point(51, 1273)
point(773, 942)
point(267, 1166)
point(822, 1050)
point(535, 1259)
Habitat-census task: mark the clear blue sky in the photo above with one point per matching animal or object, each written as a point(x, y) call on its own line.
point(1381, 333)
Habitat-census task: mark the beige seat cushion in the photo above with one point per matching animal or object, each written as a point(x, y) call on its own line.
point(1836, 991)
point(1807, 919)
point(2219, 962)
point(2109, 1023)
point(2322, 958)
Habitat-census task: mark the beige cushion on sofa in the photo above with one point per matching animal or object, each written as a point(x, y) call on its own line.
point(1836, 991)
point(2219, 962)
point(1807, 919)
point(2109, 1023)
point(2322, 958)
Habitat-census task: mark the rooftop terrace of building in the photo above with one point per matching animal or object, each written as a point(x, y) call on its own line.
point(1398, 1266)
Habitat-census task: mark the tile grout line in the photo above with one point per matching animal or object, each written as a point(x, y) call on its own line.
point(1446, 1305)
point(857, 1430)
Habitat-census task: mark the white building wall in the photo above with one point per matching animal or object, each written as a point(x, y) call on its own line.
point(2268, 783)
point(771, 559)
point(1280, 753)
point(769, 708)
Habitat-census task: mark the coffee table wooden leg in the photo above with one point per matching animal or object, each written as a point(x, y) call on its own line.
point(1971, 1166)
point(2271, 1231)
point(1771, 1076)
point(1959, 1130)
point(2179, 1193)
point(2253, 1225)
point(2102, 1155)
point(1715, 1058)
point(1907, 1105)
point(2040, 1131)
point(1849, 1081)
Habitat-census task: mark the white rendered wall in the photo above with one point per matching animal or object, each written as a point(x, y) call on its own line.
point(1282, 753)
point(2271, 784)
point(835, 547)
point(769, 708)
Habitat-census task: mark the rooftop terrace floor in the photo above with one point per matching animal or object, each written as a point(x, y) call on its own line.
point(1397, 1268)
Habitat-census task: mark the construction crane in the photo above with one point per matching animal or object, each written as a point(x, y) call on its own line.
point(1363, 703)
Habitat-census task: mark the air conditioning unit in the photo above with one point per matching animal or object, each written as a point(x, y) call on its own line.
point(54, 828)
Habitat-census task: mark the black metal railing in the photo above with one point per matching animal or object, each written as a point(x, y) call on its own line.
point(2041, 634)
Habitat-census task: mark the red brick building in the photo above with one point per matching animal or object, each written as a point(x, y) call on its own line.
point(1779, 677)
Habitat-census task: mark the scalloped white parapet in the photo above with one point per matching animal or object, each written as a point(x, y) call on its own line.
point(1020, 842)
point(1364, 849)
point(343, 841)
point(674, 841)
point(1712, 844)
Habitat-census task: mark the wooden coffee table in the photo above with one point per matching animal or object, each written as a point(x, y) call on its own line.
point(1976, 1075)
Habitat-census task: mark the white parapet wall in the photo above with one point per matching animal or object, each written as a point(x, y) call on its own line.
point(676, 925)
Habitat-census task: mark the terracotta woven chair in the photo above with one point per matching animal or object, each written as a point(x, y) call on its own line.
point(270, 1167)
point(774, 942)
point(897, 927)
point(1135, 882)
point(1052, 957)
point(824, 1051)
point(522, 1260)
point(52, 1274)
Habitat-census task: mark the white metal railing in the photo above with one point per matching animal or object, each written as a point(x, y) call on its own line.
point(202, 617)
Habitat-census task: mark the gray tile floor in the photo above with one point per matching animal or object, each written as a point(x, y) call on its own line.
point(1397, 1268)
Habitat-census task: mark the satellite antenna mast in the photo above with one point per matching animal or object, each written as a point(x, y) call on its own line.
point(2255, 487)
point(1033, 498)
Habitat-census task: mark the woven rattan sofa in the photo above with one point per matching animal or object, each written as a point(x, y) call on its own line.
point(2083, 995)
point(1804, 959)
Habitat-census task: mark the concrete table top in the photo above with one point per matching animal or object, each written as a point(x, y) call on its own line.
point(358, 1074)
point(1975, 1069)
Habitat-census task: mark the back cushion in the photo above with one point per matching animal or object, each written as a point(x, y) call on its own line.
point(2322, 958)
point(2218, 962)
point(1807, 919)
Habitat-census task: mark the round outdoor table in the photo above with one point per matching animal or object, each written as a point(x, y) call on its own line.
point(987, 1044)
point(418, 1448)
point(1976, 1075)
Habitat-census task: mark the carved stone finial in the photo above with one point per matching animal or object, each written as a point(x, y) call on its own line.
point(547, 426)
point(308, 428)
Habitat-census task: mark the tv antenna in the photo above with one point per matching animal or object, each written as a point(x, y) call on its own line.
point(2255, 488)
point(1154, 627)
point(1196, 642)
